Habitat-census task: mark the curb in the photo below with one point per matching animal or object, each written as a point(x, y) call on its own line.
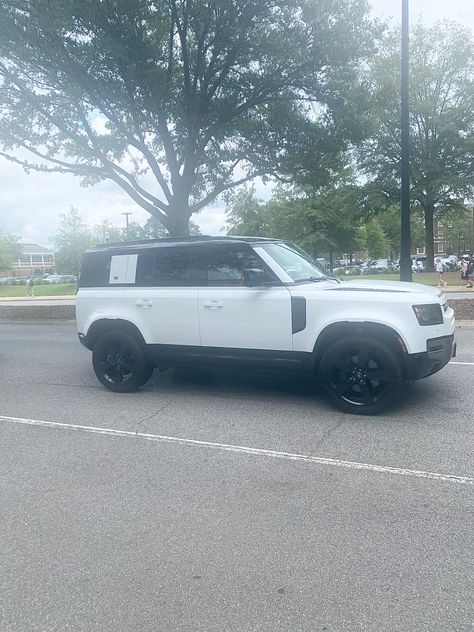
point(465, 324)
point(15, 313)
point(30, 300)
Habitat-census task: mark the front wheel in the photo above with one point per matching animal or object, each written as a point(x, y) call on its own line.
point(120, 363)
point(361, 375)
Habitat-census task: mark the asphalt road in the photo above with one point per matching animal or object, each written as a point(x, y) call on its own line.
point(115, 531)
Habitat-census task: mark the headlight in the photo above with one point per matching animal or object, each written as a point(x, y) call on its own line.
point(429, 314)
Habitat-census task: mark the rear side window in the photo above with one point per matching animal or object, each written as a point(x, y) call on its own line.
point(169, 267)
point(95, 269)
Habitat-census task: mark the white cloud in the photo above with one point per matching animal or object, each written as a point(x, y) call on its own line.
point(428, 10)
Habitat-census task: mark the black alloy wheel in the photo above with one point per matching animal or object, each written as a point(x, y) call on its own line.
point(360, 375)
point(120, 363)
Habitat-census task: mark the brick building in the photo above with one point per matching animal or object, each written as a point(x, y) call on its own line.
point(34, 260)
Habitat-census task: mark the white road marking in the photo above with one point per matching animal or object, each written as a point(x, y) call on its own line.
point(463, 363)
point(352, 465)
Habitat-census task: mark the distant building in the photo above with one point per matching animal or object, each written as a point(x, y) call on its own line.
point(34, 261)
point(452, 235)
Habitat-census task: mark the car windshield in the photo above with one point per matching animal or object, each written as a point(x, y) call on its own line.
point(295, 262)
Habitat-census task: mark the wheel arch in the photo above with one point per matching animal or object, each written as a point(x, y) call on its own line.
point(336, 331)
point(106, 325)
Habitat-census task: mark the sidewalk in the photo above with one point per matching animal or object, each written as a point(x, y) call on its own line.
point(34, 300)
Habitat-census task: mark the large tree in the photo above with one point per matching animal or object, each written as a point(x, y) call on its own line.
point(322, 221)
point(441, 121)
point(10, 250)
point(177, 101)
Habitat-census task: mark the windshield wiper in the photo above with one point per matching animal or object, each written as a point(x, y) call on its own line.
point(311, 278)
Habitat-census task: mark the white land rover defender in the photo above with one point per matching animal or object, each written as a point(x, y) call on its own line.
point(255, 304)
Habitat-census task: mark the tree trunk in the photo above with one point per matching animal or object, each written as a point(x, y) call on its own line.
point(178, 221)
point(331, 260)
point(429, 237)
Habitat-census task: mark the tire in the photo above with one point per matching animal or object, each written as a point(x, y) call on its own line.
point(361, 375)
point(120, 363)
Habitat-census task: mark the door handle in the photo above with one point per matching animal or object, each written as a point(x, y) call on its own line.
point(213, 304)
point(144, 302)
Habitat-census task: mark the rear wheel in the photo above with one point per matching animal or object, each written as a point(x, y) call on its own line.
point(120, 363)
point(361, 375)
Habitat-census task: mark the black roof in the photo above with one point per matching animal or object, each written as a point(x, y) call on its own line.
point(178, 241)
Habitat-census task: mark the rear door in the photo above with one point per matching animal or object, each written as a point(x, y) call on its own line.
point(234, 316)
point(166, 295)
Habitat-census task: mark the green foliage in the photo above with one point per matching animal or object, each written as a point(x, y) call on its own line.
point(9, 250)
point(441, 120)
point(202, 95)
point(105, 231)
point(152, 229)
point(321, 222)
point(71, 240)
point(389, 220)
point(373, 239)
point(74, 237)
point(246, 215)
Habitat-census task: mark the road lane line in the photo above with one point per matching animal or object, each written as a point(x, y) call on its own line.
point(463, 363)
point(352, 465)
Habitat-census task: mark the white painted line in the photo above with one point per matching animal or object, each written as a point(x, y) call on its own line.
point(463, 363)
point(352, 465)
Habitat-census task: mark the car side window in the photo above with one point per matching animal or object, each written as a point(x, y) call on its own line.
point(169, 267)
point(95, 269)
point(225, 264)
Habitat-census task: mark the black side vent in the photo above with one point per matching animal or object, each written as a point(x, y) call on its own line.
point(298, 314)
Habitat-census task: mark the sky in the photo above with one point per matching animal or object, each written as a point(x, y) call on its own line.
point(30, 204)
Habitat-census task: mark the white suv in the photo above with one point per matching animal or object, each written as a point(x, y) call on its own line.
point(255, 304)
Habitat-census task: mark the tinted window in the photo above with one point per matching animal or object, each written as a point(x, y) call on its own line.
point(168, 267)
point(224, 264)
point(95, 269)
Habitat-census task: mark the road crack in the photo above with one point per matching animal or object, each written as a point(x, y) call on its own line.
point(327, 433)
point(140, 422)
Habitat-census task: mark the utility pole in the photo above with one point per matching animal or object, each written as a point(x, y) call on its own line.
point(405, 239)
point(126, 223)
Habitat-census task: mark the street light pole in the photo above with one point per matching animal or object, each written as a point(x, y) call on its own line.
point(126, 223)
point(405, 239)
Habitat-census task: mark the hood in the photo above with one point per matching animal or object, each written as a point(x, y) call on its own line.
point(394, 287)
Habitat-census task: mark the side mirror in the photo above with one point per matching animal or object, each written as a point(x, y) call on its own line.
point(252, 277)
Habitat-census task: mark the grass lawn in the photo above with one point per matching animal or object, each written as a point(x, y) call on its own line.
point(55, 289)
point(427, 278)
point(66, 289)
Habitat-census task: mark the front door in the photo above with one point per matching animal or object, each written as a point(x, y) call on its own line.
point(237, 317)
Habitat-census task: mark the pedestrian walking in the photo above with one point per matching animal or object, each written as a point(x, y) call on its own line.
point(439, 272)
point(30, 287)
point(464, 274)
point(470, 272)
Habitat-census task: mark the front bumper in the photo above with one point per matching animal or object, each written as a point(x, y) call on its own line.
point(439, 352)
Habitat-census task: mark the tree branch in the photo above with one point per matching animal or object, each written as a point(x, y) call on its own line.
point(221, 188)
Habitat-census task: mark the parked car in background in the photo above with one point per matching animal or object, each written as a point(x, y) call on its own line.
point(352, 270)
point(13, 281)
point(380, 265)
point(420, 263)
point(449, 263)
point(61, 278)
point(452, 262)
